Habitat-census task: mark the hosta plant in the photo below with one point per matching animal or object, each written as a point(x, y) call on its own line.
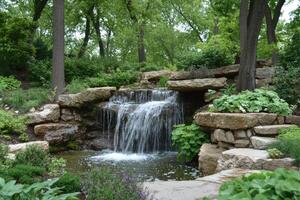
point(259, 100)
point(278, 185)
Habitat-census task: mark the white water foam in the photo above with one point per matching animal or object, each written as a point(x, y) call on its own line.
point(118, 157)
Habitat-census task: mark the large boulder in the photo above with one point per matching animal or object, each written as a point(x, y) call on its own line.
point(85, 97)
point(48, 113)
point(208, 158)
point(56, 133)
point(156, 75)
point(270, 129)
point(233, 121)
point(251, 159)
point(15, 148)
point(197, 84)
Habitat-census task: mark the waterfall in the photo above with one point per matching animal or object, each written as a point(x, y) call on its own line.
point(142, 120)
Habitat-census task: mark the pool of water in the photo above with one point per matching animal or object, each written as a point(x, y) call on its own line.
point(146, 167)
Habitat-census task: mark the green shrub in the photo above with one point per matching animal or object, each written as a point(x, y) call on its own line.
point(24, 100)
point(256, 101)
point(10, 123)
point(25, 174)
point(208, 55)
point(3, 153)
point(40, 72)
point(287, 84)
point(68, 183)
point(42, 190)
point(33, 155)
point(104, 184)
point(289, 140)
point(163, 81)
point(76, 86)
point(15, 48)
point(280, 185)
point(9, 83)
point(188, 139)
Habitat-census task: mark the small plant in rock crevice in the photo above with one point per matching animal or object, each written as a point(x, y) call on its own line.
point(188, 139)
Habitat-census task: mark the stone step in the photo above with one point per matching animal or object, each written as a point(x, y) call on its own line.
point(234, 121)
point(207, 186)
point(270, 129)
point(262, 142)
point(247, 158)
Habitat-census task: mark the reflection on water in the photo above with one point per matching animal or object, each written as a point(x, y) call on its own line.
point(160, 166)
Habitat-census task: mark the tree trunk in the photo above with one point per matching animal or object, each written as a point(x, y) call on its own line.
point(272, 24)
point(58, 74)
point(251, 17)
point(141, 45)
point(86, 37)
point(39, 6)
point(96, 23)
point(140, 35)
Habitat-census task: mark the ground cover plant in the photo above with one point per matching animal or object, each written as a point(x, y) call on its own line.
point(27, 176)
point(103, 184)
point(288, 144)
point(280, 185)
point(259, 100)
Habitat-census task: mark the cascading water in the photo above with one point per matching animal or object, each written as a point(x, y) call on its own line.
point(141, 120)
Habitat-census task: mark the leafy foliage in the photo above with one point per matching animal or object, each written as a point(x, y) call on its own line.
point(163, 81)
point(10, 123)
point(9, 83)
point(188, 139)
point(208, 55)
point(288, 144)
point(259, 100)
point(26, 174)
point(15, 48)
point(34, 156)
point(57, 167)
point(274, 153)
point(104, 184)
point(68, 183)
point(280, 184)
point(287, 84)
point(24, 100)
point(42, 190)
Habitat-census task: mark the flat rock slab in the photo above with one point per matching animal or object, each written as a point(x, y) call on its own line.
point(85, 97)
point(262, 142)
point(251, 159)
point(15, 148)
point(293, 119)
point(233, 121)
point(49, 113)
point(197, 84)
point(271, 129)
point(193, 190)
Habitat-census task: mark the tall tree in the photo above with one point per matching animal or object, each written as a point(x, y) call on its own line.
point(251, 17)
point(58, 74)
point(141, 29)
point(272, 21)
